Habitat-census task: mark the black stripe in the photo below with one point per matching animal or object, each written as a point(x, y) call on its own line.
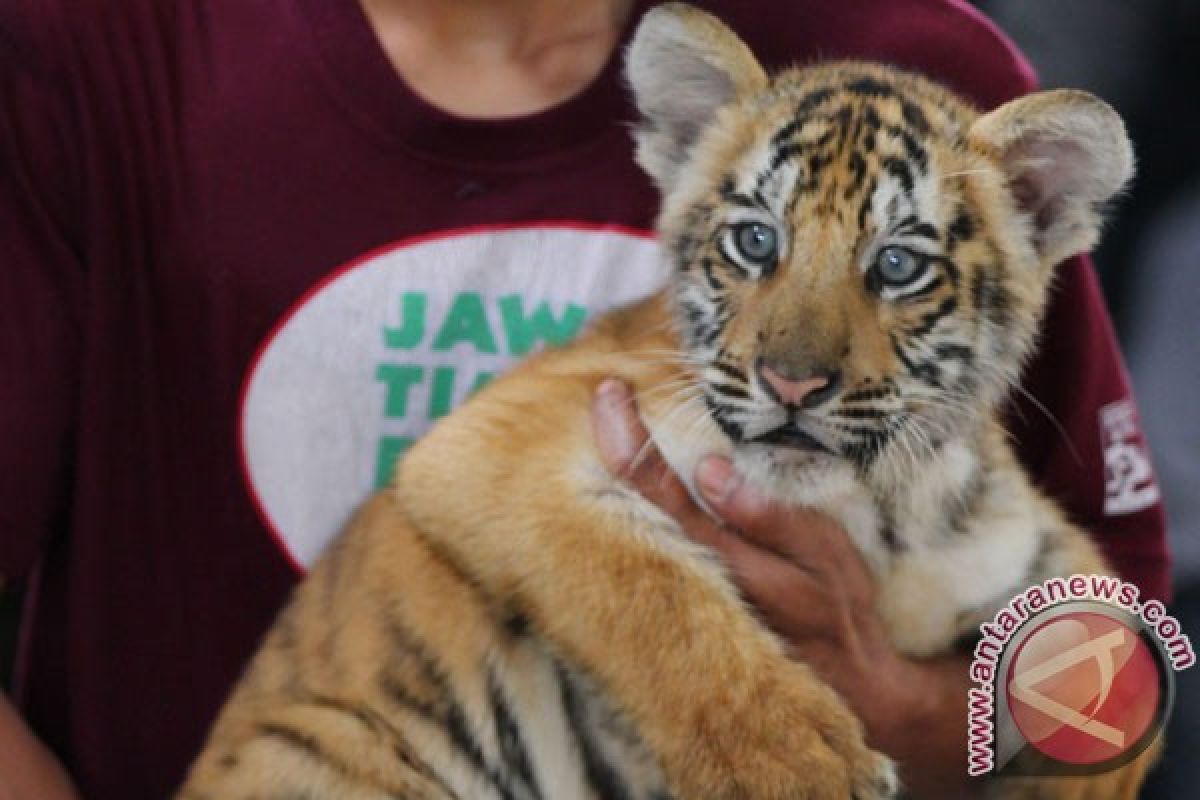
point(398, 692)
point(858, 169)
point(444, 710)
point(900, 354)
point(871, 118)
point(915, 117)
point(887, 534)
point(729, 390)
point(816, 163)
point(913, 149)
point(962, 227)
point(898, 168)
point(887, 527)
point(860, 413)
point(862, 433)
point(720, 415)
point(306, 743)
point(865, 208)
point(930, 373)
point(870, 87)
point(785, 153)
point(930, 320)
point(912, 225)
point(949, 269)
point(414, 762)
point(956, 352)
point(508, 733)
point(517, 624)
point(801, 114)
point(866, 395)
point(788, 151)
point(729, 370)
point(713, 281)
point(381, 727)
point(460, 733)
point(730, 195)
point(990, 297)
point(602, 776)
point(925, 371)
point(872, 444)
point(924, 230)
point(979, 289)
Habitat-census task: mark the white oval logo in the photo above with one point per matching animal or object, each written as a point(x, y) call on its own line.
point(370, 358)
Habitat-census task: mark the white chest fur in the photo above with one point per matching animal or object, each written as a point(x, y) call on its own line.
point(934, 579)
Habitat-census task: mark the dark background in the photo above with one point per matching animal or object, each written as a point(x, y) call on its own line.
point(1143, 57)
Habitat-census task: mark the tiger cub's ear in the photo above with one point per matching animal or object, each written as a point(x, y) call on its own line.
point(1065, 154)
point(683, 65)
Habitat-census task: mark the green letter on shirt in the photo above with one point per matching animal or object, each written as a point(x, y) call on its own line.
point(412, 323)
point(466, 322)
point(399, 379)
point(524, 331)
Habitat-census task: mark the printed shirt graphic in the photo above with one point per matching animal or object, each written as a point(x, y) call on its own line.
point(1129, 484)
point(369, 359)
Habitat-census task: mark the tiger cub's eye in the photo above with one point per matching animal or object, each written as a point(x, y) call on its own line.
point(756, 242)
point(898, 266)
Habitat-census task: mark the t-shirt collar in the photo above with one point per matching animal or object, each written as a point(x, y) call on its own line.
point(366, 84)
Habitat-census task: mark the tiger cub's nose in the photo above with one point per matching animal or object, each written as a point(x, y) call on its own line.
point(806, 392)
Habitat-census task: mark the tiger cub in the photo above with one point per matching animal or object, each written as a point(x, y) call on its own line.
point(861, 262)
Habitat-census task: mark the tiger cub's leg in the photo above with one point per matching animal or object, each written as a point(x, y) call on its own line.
point(362, 685)
point(314, 750)
point(659, 628)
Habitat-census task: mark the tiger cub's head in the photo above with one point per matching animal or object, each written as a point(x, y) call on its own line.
point(862, 259)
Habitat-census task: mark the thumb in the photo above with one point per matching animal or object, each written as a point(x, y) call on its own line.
point(786, 531)
point(728, 494)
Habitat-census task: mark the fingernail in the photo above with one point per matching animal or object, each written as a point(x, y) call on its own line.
point(612, 433)
point(717, 479)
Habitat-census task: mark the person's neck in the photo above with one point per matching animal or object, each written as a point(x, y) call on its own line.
point(497, 58)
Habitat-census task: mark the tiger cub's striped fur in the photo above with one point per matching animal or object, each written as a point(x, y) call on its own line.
point(861, 265)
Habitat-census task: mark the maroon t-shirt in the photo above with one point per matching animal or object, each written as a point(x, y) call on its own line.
point(242, 266)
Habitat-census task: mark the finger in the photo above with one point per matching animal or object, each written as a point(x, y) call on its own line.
point(788, 598)
point(804, 536)
point(767, 525)
point(628, 452)
point(617, 430)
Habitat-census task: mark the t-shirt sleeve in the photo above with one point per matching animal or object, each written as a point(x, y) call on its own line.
point(1078, 432)
point(40, 296)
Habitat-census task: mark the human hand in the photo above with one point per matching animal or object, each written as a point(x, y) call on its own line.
point(810, 585)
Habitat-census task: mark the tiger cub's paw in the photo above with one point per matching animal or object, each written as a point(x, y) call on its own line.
point(842, 765)
point(811, 749)
point(880, 781)
point(820, 773)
